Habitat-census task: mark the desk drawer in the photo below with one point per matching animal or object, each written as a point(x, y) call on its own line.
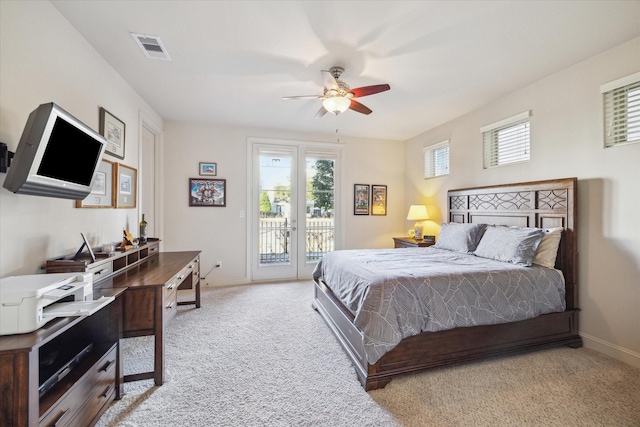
point(101, 271)
point(87, 396)
point(170, 306)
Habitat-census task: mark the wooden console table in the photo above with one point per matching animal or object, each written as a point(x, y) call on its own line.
point(80, 397)
point(151, 299)
point(151, 280)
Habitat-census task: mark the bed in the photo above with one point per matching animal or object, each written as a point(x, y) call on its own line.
point(352, 289)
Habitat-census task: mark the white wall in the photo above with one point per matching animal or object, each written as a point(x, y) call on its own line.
point(220, 232)
point(44, 59)
point(566, 135)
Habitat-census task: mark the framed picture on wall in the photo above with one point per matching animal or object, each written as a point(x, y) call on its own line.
point(361, 199)
point(378, 200)
point(113, 129)
point(101, 195)
point(126, 189)
point(208, 168)
point(207, 192)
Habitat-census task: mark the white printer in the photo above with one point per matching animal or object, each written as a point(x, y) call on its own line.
point(28, 302)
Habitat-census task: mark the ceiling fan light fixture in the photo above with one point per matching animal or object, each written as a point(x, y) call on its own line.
point(336, 104)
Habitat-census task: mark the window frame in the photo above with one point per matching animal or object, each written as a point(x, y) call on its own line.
point(621, 101)
point(491, 140)
point(430, 163)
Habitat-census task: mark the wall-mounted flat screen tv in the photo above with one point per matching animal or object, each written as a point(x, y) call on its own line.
point(57, 156)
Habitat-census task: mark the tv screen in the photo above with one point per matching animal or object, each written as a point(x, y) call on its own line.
point(68, 144)
point(57, 156)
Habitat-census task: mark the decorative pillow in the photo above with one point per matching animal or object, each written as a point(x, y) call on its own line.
point(460, 237)
point(510, 244)
point(548, 249)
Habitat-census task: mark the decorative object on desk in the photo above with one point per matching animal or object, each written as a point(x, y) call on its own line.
point(101, 195)
point(418, 213)
point(207, 192)
point(113, 129)
point(127, 241)
point(378, 200)
point(143, 230)
point(428, 238)
point(85, 244)
point(208, 168)
point(126, 186)
point(361, 199)
point(412, 233)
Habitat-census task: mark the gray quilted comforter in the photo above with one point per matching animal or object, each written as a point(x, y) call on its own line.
point(396, 293)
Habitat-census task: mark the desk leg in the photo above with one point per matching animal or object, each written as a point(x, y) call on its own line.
point(158, 359)
point(198, 294)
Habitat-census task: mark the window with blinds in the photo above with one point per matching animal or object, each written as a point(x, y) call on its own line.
point(507, 141)
point(621, 101)
point(436, 160)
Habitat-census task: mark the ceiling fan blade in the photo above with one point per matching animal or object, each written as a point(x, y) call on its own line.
point(369, 90)
point(321, 112)
point(303, 97)
point(329, 81)
point(356, 106)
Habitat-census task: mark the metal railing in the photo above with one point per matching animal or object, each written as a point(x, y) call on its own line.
point(275, 239)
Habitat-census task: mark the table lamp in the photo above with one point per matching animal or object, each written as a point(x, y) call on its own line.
point(418, 213)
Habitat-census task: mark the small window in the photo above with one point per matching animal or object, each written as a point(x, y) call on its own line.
point(507, 141)
point(621, 100)
point(436, 160)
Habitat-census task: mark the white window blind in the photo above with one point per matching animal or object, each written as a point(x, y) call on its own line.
point(436, 160)
point(507, 141)
point(621, 101)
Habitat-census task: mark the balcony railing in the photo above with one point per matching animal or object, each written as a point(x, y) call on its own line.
point(275, 239)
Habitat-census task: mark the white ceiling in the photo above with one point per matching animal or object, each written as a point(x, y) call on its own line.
point(233, 61)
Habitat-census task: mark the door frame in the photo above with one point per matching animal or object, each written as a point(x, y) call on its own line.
point(145, 121)
point(330, 148)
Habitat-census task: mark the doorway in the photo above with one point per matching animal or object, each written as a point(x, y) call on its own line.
point(293, 208)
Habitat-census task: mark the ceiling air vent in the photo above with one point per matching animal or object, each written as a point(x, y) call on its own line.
point(151, 46)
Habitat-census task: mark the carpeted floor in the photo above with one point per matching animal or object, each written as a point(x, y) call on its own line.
point(259, 355)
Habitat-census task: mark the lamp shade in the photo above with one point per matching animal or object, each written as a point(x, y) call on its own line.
point(336, 104)
point(418, 213)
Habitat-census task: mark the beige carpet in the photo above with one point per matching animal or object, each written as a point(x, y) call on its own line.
point(259, 355)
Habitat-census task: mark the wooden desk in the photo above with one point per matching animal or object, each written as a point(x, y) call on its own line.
point(150, 299)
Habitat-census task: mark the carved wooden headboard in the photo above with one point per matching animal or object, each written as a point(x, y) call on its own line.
point(542, 204)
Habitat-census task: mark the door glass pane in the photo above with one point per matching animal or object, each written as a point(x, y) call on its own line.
point(275, 210)
point(320, 223)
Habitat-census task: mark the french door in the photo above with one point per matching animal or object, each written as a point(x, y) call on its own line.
point(293, 221)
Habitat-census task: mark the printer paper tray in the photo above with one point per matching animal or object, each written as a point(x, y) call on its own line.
point(76, 308)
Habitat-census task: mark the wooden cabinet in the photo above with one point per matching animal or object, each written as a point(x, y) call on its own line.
point(81, 396)
point(409, 242)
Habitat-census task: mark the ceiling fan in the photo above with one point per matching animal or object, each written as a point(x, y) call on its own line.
point(338, 96)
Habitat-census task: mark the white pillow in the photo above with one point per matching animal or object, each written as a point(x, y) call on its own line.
point(548, 249)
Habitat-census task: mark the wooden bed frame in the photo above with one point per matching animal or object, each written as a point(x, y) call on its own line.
point(542, 204)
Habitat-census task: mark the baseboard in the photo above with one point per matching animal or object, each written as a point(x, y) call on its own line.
point(620, 353)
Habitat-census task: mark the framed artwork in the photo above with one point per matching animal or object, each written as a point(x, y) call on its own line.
point(207, 192)
point(361, 199)
point(101, 195)
point(125, 188)
point(378, 200)
point(207, 168)
point(113, 129)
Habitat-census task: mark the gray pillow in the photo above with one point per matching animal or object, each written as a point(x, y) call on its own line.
point(510, 244)
point(460, 237)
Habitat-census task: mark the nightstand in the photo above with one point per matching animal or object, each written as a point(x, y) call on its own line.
point(408, 242)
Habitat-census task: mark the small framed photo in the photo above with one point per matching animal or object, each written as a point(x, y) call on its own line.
point(378, 200)
point(207, 168)
point(113, 129)
point(207, 192)
point(361, 199)
point(126, 188)
point(101, 195)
